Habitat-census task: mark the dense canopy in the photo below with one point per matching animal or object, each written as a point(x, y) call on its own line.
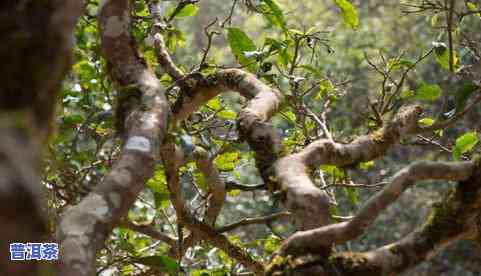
point(241, 137)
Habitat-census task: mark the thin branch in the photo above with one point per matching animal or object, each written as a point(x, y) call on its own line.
point(150, 231)
point(249, 221)
point(163, 57)
point(453, 119)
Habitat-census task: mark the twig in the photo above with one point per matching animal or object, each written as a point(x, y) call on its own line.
point(248, 221)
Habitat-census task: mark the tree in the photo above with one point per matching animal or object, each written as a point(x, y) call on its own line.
point(177, 139)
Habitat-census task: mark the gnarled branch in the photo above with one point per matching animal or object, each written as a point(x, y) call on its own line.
point(84, 227)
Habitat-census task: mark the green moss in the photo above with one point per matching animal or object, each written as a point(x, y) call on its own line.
point(443, 219)
point(351, 263)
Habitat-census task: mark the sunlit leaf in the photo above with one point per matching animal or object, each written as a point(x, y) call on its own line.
point(227, 114)
point(215, 104)
point(407, 94)
point(464, 144)
point(426, 121)
point(227, 161)
point(473, 7)
point(187, 11)
point(366, 165)
point(349, 13)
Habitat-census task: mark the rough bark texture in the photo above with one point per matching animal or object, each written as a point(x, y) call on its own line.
point(454, 218)
point(198, 228)
point(35, 55)
point(308, 203)
point(84, 228)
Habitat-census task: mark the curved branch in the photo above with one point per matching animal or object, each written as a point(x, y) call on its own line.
point(199, 229)
point(310, 205)
point(217, 187)
point(253, 120)
point(163, 56)
point(455, 217)
point(84, 227)
point(345, 231)
point(232, 185)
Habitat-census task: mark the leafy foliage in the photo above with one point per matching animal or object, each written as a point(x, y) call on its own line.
point(300, 48)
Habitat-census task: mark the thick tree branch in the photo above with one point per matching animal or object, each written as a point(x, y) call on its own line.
point(454, 218)
point(345, 231)
point(310, 205)
point(84, 227)
point(184, 217)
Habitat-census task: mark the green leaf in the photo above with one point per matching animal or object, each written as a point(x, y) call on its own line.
point(215, 104)
point(271, 244)
point(174, 38)
point(441, 52)
point(227, 114)
point(291, 116)
point(326, 87)
point(163, 262)
point(85, 70)
point(200, 181)
point(234, 193)
point(333, 171)
point(397, 64)
point(426, 121)
point(158, 185)
point(435, 20)
point(273, 13)
point(407, 94)
point(464, 144)
point(187, 11)
point(73, 119)
point(240, 43)
point(428, 92)
point(349, 13)
point(227, 161)
point(473, 7)
point(366, 165)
